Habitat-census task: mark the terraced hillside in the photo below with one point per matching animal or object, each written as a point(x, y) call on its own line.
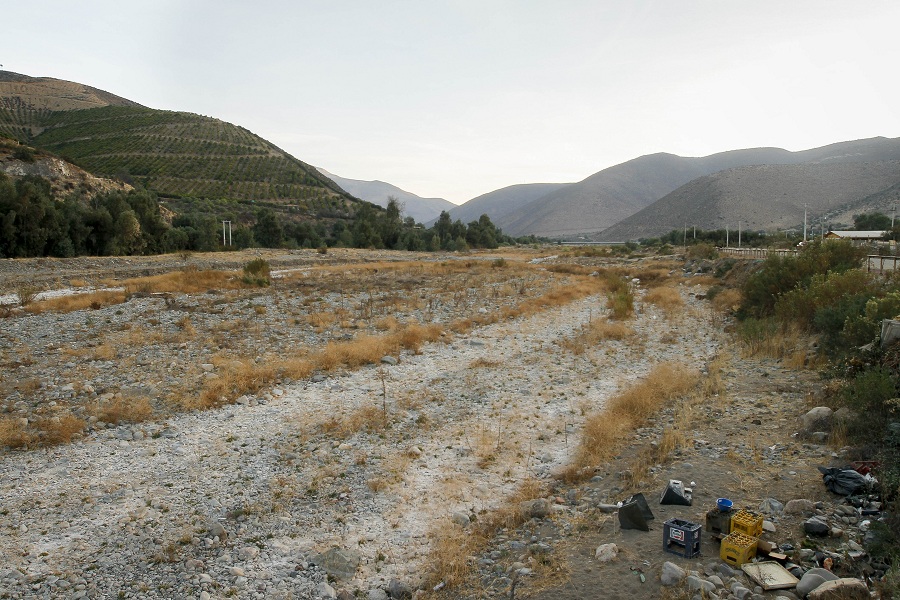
point(175, 154)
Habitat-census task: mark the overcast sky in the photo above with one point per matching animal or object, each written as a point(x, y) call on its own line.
point(454, 99)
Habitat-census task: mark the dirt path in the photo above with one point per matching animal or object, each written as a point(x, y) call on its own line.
point(744, 447)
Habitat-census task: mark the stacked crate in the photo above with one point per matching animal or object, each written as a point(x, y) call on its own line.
point(740, 545)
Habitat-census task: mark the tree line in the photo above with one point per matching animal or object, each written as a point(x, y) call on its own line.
point(35, 223)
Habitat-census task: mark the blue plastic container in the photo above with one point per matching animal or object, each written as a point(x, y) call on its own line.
point(724, 504)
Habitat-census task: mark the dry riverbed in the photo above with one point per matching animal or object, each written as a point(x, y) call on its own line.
point(357, 471)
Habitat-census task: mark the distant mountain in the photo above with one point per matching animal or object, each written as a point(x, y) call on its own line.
point(500, 203)
point(613, 194)
point(175, 154)
point(768, 197)
point(378, 192)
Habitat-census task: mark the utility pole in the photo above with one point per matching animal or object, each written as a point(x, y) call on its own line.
point(726, 235)
point(739, 234)
point(804, 221)
point(228, 243)
point(695, 232)
point(684, 239)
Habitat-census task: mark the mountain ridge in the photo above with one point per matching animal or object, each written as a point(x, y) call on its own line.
point(378, 192)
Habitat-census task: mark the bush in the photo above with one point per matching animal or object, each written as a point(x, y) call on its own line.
point(868, 394)
point(781, 274)
point(703, 251)
point(257, 272)
point(24, 154)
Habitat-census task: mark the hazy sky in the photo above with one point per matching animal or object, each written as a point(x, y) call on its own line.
point(457, 98)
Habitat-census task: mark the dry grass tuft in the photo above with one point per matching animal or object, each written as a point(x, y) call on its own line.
point(66, 304)
point(47, 431)
point(595, 332)
point(122, 409)
point(59, 430)
point(728, 300)
point(452, 547)
point(365, 418)
point(666, 298)
point(187, 281)
point(604, 432)
point(13, 433)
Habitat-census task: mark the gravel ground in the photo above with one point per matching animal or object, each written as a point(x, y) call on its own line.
point(247, 500)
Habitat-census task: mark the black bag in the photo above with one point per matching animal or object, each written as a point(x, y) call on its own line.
point(845, 482)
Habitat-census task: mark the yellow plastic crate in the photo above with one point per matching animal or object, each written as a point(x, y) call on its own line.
point(738, 548)
point(747, 522)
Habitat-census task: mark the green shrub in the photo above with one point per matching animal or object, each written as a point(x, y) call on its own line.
point(723, 267)
point(802, 304)
point(754, 333)
point(24, 154)
point(868, 394)
point(257, 272)
point(704, 250)
point(781, 274)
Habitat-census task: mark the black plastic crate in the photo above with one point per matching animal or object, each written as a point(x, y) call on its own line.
point(682, 537)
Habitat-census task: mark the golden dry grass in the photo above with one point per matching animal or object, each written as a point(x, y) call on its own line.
point(65, 304)
point(452, 546)
point(365, 418)
point(728, 300)
point(13, 433)
point(59, 430)
point(605, 431)
point(187, 281)
point(666, 298)
point(122, 409)
point(45, 431)
point(595, 332)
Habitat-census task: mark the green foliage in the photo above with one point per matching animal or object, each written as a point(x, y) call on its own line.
point(781, 274)
point(701, 251)
point(867, 394)
point(871, 222)
point(755, 333)
point(823, 290)
point(24, 153)
point(257, 272)
point(619, 298)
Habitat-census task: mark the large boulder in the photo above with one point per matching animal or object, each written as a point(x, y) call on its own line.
point(671, 574)
point(841, 589)
point(339, 563)
point(535, 509)
point(817, 419)
point(812, 579)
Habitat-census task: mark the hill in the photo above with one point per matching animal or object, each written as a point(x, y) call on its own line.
point(613, 194)
point(501, 202)
point(766, 197)
point(17, 161)
point(175, 154)
point(378, 192)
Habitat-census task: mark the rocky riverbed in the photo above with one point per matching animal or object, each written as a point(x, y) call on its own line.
point(339, 483)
